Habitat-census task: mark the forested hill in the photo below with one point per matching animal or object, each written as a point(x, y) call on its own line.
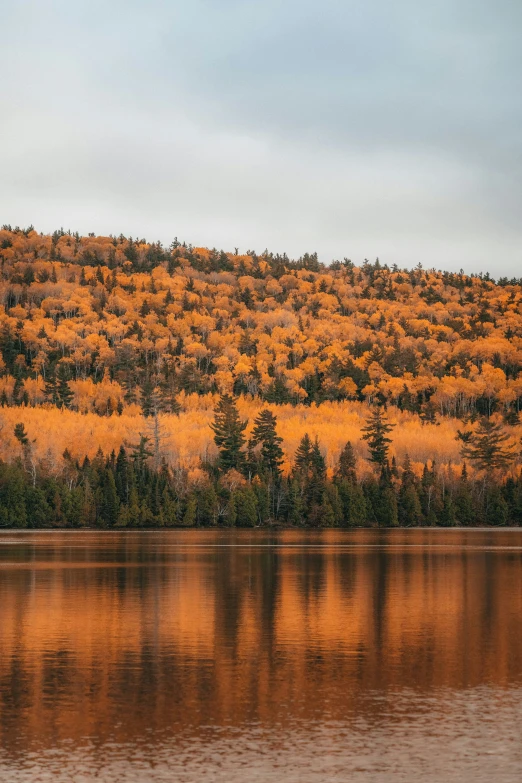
point(101, 323)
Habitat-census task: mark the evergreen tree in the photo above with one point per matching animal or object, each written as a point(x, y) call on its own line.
point(21, 435)
point(13, 511)
point(51, 389)
point(109, 504)
point(141, 453)
point(189, 517)
point(295, 503)
point(316, 484)
point(353, 504)
point(465, 511)
point(409, 507)
point(513, 497)
point(303, 457)
point(346, 467)
point(228, 432)
point(375, 433)
point(207, 505)
point(497, 510)
point(447, 517)
point(63, 390)
point(265, 433)
point(485, 447)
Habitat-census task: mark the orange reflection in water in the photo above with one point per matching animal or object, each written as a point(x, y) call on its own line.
point(118, 636)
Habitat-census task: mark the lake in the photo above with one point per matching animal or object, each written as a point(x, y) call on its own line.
point(258, 656)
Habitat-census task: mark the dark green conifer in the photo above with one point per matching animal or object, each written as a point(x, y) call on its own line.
point(346, 468)
point(486, 446)
point(63, 390)
point(228, 432)
point(376, 434)
point(265, 433)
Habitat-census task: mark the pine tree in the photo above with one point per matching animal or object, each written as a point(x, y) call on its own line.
point(51, 389)
point(447, 517)
point(376, 431)
point(303, 456)
point(189, 517)
point(141, 453)
point(485, 447)
point(21, 435)
point(295, 503)
point(109, 499)
point(207, 509)
point(149, 401)
point(353, 504)
point(346, 467)
point(465, 511)
point(409, 507)
point(63, 390)
point(317, 479)
point(246, 507)
point(497, 510)
point(228, 432)
point(265, 433)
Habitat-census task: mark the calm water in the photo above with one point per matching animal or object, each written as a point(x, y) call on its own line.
point(239, 656)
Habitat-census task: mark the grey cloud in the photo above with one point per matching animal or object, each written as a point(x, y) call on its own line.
point(354, 128)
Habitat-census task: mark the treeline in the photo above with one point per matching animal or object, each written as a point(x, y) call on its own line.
point(245, 486)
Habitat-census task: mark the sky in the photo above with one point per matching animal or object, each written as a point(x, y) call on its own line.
point(354, 128)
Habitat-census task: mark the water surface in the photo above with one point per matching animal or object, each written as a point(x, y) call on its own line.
point(254, 656)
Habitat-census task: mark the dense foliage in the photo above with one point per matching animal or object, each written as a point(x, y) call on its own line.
point(153, 322)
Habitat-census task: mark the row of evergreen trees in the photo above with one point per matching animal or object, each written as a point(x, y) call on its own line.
point(245, 486)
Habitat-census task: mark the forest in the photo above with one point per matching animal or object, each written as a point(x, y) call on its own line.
point(149, 386)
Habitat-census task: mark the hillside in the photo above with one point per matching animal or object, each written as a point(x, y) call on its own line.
point(122, 318)
point(105, 339)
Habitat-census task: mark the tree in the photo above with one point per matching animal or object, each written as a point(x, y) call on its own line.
point(228, 432)
point(409, 506)
point(303, 456)
point(246, 506)
point(265, 433)
point(375, 433)
point(51, 389)
point(485, 447)
point(109, 499)
point(465, 511)
point(346, 467)
point(29, 462)
point(141, 453)
point(63, 390)
point(353, 504)
point(21, 435)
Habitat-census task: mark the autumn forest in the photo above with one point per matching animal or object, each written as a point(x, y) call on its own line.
point(149, 386)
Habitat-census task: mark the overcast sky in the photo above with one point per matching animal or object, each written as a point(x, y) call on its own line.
point(356, 128)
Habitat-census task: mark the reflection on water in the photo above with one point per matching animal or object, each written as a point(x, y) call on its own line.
point(234, 656)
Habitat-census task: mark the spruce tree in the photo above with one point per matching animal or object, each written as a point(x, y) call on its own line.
point(190, 515)
point(375, 433)
point(409, 507)
point(63, 390)
point(497, 510)
point(346, 467)
point(109, 499)
point(303, 456)
point(353, 504)
point(486, 446)
point(265, 433)
point(51, 389)
point(465, 511)
point(228, 432)
point(245, 502)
